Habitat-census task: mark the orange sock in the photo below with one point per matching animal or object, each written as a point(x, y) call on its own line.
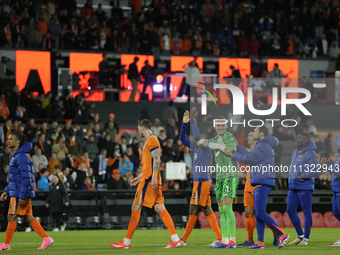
point(38, 229)
point(168, 221)
point(250, 225)
point(135, 216)
point(190, 226)
point(214, 225)
point(11, 227)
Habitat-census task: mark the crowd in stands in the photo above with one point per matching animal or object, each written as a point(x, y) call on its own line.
point(212, 27)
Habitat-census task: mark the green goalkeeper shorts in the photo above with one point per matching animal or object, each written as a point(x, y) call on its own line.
point(226, 188)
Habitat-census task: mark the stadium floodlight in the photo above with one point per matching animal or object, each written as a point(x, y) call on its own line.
point(158, 87)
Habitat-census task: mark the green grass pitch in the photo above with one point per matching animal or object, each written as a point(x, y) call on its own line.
point(152, 242)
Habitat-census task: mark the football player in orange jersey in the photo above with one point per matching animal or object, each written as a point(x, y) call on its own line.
point(149, 192)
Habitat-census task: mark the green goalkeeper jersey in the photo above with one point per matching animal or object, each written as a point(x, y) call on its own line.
point(226, 166)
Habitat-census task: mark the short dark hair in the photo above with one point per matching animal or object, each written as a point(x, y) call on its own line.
point(304, 134)
point(44, 170)
point(264, 130)
point(57, 167)
point(145, 123)
point(21, 137)
point(41, 134)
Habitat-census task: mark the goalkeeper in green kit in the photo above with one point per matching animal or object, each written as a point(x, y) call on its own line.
point(226, 180)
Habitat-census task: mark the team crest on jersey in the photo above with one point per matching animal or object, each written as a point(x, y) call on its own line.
point(300, 156)
point(12, 160)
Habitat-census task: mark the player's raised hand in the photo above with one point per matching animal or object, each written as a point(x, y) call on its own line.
point(186, 117)
point(193, 113)
point(205, 143)
point(4, 196)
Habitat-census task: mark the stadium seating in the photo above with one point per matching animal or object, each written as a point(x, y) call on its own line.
point(318, 221)
point(330, 220)
point(286, 219)
point(277, 216)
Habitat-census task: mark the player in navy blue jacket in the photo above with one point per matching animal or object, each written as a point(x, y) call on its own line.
point(335, 169)
point(304, 166)
point(200, 194)
point(262, 177)
point(21, 190)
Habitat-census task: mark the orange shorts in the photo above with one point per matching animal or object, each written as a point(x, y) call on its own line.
point(248, 199)
point(201, 194)
point(15, 208)
point(146, 196)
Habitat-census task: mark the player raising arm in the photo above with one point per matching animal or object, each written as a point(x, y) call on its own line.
point(226, 180)
point(200, 197)
point(149, 190)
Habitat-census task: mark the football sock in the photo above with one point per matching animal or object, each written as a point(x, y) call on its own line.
point(301, 236)
point(11, 227)
point(214, 225)
point(134, 220)
point(228, 210)
point(127, 241)
point(224, 224)
point(38, 229)
point(190, 226)
point(168, 222)
point(250, 225)
point(175, 238)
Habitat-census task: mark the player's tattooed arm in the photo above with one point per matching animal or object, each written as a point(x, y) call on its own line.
point(156, 162)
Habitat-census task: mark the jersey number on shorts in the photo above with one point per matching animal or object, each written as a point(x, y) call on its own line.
point(227, 189)
point(193, 196)
point(136, 194)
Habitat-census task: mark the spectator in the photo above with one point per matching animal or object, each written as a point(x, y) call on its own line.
point(169, 153)
point(45, 148)
point(133, 158)
point(311, 49)
point(87, 9)
point(60, 149)
point(111, 118)
point(156, 127)
point(106, 143)
point(126, 166)
point(4, 111)
point(111, 130)
point(92, 148)
point(96, 132)
point(208, 10)
point(290, 46)
point(96, 120)
point(122, 145)
point(242, 45)
point(320, 148)
point(334, 51)
point(83, 158)
point(198, 43)
point(39, 158)
point(136, 6)
point(92, 177)
point(298, 128)
point(68, 130)
point(133, 76)
point(42, 183)
point(170, 129)
point(52, 162)
point(79, 131)
point(175, 44)
point(310, 127)
point(161, 137)
point(254, 46)
point(74, 145)
point(42, 24)
point(57, 172)
point(187, 157)
point(3, 177)
point(79, 175)
point(116, 181)
point(170, 113)
point(328, 145)
point(8, 35)
point(186, 45)
point(323, 46)
point(100, 165)
point(4, 158)
point(69, 179)
point(56, 200)
point(87, 185)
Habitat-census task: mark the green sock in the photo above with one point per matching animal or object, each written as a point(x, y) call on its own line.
point(228, 210)
point(224, 223)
